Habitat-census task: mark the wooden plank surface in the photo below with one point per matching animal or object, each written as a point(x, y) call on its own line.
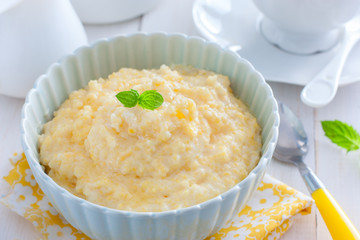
point(12, 226)
point(289, 94)
point(339, 171)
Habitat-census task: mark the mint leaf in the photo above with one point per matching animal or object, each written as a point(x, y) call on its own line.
point(128, 98)
point(150, 99)
point(342, 134)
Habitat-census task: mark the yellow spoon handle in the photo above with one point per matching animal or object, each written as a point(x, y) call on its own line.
point(339, 225)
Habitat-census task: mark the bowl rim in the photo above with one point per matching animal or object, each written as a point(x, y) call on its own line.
point(263, 161)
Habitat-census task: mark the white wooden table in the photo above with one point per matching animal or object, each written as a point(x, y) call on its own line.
point(339, 171)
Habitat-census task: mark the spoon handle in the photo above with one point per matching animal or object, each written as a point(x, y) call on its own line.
point(322, 89)
point(339, 225)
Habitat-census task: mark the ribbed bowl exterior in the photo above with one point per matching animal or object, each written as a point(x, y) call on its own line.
point(147, 51)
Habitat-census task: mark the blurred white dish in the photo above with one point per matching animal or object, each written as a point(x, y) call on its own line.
point(34, 34)
point(109, 11)
point(235, 24)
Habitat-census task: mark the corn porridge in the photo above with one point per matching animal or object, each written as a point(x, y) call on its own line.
point(198, 144)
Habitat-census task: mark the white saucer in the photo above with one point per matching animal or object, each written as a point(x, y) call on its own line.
point(235, 23)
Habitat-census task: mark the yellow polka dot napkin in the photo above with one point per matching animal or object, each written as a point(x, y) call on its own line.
point(271, 211)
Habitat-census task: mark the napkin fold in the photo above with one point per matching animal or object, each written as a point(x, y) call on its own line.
point(270, 212)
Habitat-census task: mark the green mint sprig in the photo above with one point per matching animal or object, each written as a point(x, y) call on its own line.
point(149, 99)
point(342, 134)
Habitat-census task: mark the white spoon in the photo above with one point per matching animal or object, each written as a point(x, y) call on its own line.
point(322, 89)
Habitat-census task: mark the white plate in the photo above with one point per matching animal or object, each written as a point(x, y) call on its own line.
point(235, 23)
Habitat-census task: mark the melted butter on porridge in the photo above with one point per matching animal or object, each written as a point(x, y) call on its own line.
point(198, 144)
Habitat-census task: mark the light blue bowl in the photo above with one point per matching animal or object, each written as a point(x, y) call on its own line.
point(147, 51)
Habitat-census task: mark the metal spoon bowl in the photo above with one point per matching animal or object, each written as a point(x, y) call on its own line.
point(292, 142)
point(292, 147)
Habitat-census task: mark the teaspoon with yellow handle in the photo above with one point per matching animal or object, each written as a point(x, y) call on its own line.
point(292, 147)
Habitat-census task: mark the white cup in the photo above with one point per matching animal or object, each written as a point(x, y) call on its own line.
point(33, 35)
point(305, 26)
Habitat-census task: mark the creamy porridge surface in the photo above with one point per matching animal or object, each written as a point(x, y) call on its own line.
point(198, 144)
